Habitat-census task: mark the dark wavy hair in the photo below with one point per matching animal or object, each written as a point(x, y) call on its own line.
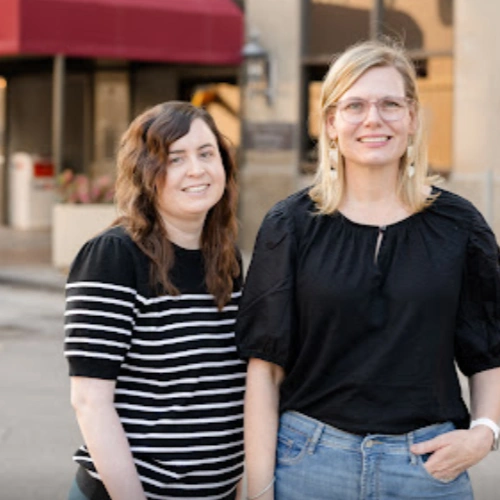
point(142, 160)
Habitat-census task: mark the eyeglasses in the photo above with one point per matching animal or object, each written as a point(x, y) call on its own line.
point(356, 110)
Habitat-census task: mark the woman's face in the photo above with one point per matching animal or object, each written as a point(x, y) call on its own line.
point(378, 140)
point(195, 177)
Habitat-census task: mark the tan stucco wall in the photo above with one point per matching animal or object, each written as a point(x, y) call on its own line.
point(476, 124)
point(268, 176)
point(111, 117)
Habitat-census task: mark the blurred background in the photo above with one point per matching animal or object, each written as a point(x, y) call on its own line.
point(73, 73)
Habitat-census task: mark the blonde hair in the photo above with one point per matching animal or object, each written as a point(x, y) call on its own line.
point(327, 192)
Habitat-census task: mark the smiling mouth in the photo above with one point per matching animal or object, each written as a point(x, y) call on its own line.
point(196, 189)
point(381, 138)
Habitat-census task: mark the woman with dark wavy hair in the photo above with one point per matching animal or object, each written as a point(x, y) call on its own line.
point(156, 383)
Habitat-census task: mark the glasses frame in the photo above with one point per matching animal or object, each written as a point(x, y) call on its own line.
point(405, 102)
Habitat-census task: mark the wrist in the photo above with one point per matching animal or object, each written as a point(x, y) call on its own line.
point(493, 427)
point(262, 491)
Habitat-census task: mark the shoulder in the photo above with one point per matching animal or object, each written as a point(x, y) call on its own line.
point(289, 212)
point(114, 239)
point(111, 256)
point(283, 218)
point(457, 208)
point(296, 203)
point(116, 234)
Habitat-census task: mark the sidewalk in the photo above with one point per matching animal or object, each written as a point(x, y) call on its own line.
point(25, 259)
point(38, 431)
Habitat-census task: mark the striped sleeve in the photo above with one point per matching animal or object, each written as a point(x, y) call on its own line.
point(100, 305)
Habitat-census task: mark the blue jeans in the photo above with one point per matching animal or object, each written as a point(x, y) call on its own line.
point(317, 461)
point(85, 487)
point(75, 493)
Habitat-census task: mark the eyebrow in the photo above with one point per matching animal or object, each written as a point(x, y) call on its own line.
point(203, 146)
point(357, 98)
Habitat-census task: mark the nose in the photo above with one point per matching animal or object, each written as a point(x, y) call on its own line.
point(195, 167)
point(372, 113)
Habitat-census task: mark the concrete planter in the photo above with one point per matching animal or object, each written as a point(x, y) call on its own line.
point(73, 225)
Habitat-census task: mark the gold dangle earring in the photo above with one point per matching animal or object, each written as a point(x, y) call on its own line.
point(410, 167)
point(333, 155)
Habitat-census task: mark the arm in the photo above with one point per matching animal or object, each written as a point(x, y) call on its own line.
point(105, 438)
point(261, 425)
point(485, 397)
point(456, 451)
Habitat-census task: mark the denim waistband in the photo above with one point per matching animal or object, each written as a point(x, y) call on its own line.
point(319, 432)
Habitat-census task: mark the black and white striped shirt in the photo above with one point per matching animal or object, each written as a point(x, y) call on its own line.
point(180, 384)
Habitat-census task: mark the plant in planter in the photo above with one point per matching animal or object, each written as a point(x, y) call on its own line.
point(80, 188)
point(85, 208)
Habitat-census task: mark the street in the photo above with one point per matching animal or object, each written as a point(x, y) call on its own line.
point(38, 432)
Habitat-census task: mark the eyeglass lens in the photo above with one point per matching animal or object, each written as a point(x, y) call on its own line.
point(388, 108)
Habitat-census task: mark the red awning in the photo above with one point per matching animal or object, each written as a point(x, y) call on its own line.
point(187, 31)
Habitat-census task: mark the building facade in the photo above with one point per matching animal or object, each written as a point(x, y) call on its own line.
point(74, 73)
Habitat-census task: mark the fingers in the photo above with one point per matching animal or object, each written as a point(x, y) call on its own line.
point(445, 465)
point(429, 446)
point(442, 464)
point(451, 453)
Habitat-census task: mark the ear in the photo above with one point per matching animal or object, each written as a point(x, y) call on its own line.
point(158, 186)
point(331, 129)
point(414, 119)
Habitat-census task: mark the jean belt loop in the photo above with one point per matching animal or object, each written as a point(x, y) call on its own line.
point(410, 439)
point(314, 440)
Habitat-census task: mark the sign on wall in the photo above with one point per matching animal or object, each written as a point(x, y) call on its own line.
point(273, 136)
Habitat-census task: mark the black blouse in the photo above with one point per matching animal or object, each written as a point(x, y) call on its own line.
point(367, 336)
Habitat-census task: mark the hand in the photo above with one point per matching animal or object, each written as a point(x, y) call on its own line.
point(454, 452)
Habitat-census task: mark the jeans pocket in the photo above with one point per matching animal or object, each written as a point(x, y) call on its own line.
point(291, 446)
point(422, 459)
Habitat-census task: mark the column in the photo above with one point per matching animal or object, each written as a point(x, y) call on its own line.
point(476, 123)
point(269, 166)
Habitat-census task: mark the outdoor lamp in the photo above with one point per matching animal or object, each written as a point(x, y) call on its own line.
point(258, 68)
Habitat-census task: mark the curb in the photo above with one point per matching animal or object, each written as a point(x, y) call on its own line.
point(33, 278)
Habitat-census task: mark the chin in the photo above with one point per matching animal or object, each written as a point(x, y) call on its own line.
point(199, 210)
point(380, 162)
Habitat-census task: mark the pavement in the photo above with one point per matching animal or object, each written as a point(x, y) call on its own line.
point(25, 260)
point(38, 431)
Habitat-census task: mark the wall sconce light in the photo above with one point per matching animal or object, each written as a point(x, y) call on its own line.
point(258, 68)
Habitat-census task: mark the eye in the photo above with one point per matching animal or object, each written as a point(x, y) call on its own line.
point(391, 104)
point(207, 154)
point(175, 160)
point(354, 106)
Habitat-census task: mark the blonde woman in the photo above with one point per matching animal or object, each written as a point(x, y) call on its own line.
point(362, 293)
point(151, 303)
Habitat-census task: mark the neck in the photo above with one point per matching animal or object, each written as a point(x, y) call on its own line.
point(185, 235)
point(370, 184)
point(371, 195)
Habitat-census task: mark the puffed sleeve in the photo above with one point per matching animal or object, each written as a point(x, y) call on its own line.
point(99, 315)
point(266, 322)
point(478, 334)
